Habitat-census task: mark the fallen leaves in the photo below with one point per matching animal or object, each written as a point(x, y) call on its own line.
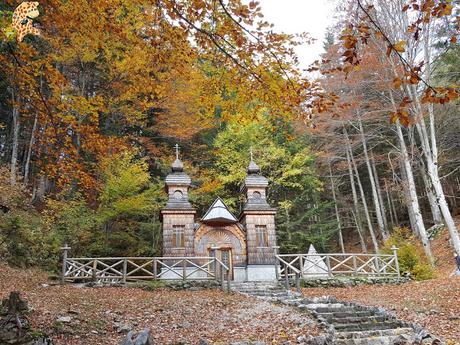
point(172, 316)
point(434, 304)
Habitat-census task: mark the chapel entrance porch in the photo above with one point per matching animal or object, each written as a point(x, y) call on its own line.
point(224, 254)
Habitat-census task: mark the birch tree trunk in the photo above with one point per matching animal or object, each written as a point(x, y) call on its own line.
point(363, 198)
point(430, 149)
point(357, 213)
point(435, 211)
point(375, 197)
point(339, 226)
point(14, 151)
point(412, 191)
point(379, 192)
point(29, 151)
point(389, 201)
point(361, 191)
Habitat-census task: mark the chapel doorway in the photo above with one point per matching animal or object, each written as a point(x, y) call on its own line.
point(224, 254)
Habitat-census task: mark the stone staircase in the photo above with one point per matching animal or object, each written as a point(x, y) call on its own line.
point(344, 323)
point(353, 324)
point(269, 289)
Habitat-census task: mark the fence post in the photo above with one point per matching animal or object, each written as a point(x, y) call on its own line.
point(66, 248)
point(222, 279)
point(395, 253)
point(277, 263)
point(228, 280)
point(355, 266)
point(328, 263)
point(301, 265)
point(155, 268)
point(184, 269)
point(377, 265)
point(125, 270)
point(286, 277)
point(93, 273)
point(297, 282)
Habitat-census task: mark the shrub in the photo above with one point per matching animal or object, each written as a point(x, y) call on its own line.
point(411, 256)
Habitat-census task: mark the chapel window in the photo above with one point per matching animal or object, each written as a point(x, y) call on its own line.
point(261, 236)
point(178, 236)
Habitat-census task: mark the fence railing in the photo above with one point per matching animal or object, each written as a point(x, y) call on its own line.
point(293, 267)
point(125, 269)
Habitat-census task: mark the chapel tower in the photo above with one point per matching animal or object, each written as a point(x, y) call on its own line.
point(258, 218)
point(178, 216)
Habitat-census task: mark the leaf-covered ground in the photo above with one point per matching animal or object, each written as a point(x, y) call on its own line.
point(434, 304)
point(173, 316)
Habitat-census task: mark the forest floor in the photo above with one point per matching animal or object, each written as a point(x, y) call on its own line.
point(173, 316)
point(433, 304)
point(218, 317)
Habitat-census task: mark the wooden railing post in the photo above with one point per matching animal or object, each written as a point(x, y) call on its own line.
point(297, 282)
point(125, 270)
point(301, 264)
point(155, 268)
point(184, 270)
point(395, 254)
point(66, 248)
point(93, 273)
point(228, 280)
point(222, 278)
point(277, 262)
point(377, 265)
point(286, 276)
point(328, 264)
point(355, 266)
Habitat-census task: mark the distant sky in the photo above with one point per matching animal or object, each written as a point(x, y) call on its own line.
point(294, 16)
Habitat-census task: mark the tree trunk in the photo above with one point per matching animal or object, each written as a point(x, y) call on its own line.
point(357, 213)
point(29, 150)
point(339, 227)
point(430, 152)
point(14, 151)
point(413, 204)
point(379, 192)
point(389, 201)
point(375, 197)
point(363, 198)
point(435, 211)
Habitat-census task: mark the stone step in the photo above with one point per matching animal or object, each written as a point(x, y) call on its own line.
point(373, 333)
point(334, 309)
point(339, 314)
point(366, 326)
point(263, 293)
point(358, 319)
point(384, 340)
point(260, 290)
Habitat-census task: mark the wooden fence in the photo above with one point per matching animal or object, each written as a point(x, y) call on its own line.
point(124, 269)
point(293, 267)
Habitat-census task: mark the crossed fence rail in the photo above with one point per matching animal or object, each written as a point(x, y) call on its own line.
point(289, 267)
point(293, 267)
point(125, 269)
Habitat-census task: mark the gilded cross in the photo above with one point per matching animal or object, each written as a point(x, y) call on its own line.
point(177, 150)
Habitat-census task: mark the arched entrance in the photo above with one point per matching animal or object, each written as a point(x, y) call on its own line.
point(226, 242)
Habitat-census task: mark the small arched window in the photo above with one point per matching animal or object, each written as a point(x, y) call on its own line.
point(177, 195)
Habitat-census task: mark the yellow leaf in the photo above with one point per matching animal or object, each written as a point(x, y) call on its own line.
point(399, 47)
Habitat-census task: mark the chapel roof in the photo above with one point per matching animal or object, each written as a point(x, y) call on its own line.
point(219, 213)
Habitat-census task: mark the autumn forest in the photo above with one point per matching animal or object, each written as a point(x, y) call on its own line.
point(361, 149)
